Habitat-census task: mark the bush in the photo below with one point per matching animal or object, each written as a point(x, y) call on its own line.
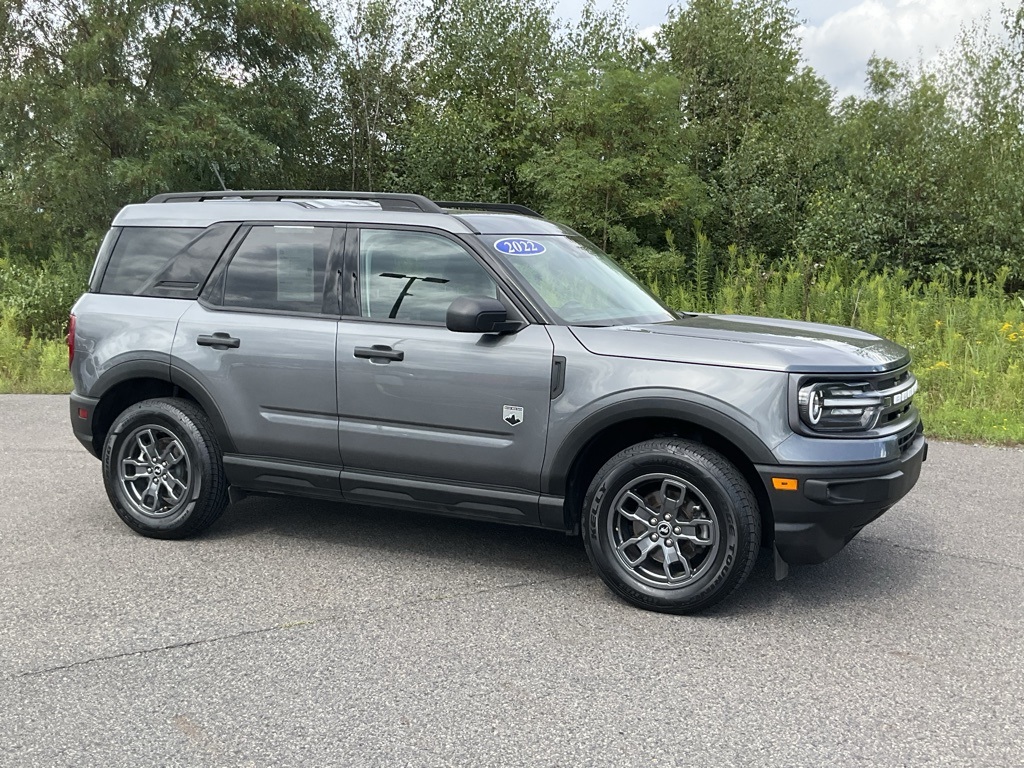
point(36, 299)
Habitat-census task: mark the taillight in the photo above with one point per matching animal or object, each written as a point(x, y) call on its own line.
point(71, 340)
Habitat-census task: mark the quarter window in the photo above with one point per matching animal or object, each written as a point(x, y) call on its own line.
point(415, 276)
point(142, 252)
point(279, 268)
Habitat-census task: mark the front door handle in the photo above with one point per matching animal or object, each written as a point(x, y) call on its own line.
point(380, 353)
point(218, 341)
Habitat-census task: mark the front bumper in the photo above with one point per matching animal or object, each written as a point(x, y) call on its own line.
point(831, 504)
point(82, 425)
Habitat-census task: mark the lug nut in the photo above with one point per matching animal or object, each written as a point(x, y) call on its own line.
point(678, 530)
point(654, 537)
point(668, 516)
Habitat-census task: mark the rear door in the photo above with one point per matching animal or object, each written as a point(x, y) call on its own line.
point(424, 411)
point(261, 341)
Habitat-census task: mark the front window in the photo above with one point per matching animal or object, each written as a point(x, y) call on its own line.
point(579, 283)
point(414, 276)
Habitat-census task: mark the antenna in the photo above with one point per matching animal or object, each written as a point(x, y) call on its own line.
point(216, 169)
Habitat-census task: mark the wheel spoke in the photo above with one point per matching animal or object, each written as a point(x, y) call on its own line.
point(147, 445)
point(149, 499)
point(673, 496)
point(673, 553)
point(668, 552)
point(702, 531)
point(139, 469)
point(632, 507)
point(174, 487)
point(173, 453)
point(644, 543)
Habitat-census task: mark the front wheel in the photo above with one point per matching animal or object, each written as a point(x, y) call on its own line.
point(162, 469)
point(671, 525)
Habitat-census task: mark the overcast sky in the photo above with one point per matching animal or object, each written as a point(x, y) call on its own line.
point(840, 35)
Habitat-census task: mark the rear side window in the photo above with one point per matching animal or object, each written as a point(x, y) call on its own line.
point(164, 261)
point(140, 253)
point(279, 268)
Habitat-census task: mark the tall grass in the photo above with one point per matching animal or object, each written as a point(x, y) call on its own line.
point(966, 335)
point(35, 300)
point(31, 364)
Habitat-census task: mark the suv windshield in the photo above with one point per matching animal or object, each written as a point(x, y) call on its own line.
point(579, 283)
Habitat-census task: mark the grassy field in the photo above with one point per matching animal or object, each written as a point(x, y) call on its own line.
point(965, 333)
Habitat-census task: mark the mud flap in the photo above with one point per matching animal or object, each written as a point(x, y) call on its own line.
point(781, 566)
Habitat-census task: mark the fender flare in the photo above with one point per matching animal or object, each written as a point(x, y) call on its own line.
point(554, 478)
point(162, 370)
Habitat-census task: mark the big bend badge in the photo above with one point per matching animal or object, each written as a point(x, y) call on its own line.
point(512, 415)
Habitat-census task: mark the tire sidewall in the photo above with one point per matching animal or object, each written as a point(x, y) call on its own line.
point(161, 414)
point(722, 574)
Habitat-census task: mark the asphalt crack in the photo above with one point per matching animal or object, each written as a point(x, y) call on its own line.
point(288, 626)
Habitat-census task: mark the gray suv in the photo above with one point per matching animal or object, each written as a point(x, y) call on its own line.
point(479, 361)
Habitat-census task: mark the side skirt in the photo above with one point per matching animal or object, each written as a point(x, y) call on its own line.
point(250, 475)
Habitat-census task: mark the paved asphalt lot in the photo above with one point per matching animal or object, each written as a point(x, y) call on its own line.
point(306, 633)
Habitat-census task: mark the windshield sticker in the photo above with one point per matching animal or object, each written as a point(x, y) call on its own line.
point(519, 246)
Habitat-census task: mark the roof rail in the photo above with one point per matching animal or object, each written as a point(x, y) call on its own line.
point(388, 201)
point(464, 205)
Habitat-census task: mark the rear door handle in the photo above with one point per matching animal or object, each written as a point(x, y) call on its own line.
point(381, 352)
point(218, 341)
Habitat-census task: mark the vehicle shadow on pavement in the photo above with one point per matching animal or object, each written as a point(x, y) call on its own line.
point(867, 570)
point(400, 534)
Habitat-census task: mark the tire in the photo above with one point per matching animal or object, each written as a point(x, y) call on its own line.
point(671, 526)
point(162, 469)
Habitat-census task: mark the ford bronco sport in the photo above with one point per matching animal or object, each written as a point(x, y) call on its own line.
point(474, 360)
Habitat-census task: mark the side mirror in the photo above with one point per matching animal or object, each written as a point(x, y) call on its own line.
point(477, 314)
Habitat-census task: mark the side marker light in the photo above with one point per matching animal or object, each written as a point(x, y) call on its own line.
point(785, 483)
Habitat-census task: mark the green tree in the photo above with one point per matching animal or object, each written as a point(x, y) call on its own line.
point(103, 102)
point(483, 94)
point(378, 43)
point(761, 122)
point(618, 170)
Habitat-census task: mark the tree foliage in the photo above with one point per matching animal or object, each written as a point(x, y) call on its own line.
point(710, 134)
point(106, 101)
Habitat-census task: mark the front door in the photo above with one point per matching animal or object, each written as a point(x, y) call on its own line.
point(426, 414)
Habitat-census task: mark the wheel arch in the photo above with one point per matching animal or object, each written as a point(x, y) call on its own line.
point(603, 434)
point(130, 383)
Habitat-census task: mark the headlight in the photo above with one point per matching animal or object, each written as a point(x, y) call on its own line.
point(839, 407)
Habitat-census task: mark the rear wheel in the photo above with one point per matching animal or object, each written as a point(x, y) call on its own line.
point(162, 469)
point(671, 525)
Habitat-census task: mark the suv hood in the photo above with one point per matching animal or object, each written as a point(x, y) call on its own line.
point(738, 341)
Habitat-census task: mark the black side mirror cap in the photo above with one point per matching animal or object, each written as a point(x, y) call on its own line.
point(478, 314)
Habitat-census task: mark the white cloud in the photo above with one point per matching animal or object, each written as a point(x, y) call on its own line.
point(904, 30)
